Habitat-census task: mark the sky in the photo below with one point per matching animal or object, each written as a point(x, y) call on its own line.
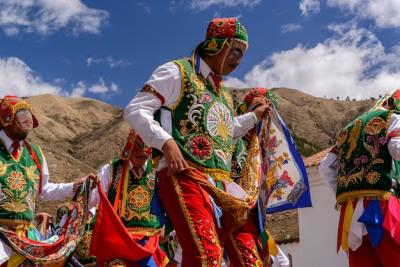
point(107, 49)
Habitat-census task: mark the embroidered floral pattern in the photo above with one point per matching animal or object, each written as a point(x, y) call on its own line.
point(139, 197)
point(200, 147)
point(16, 181)
point(220, 122)
point(375, 126)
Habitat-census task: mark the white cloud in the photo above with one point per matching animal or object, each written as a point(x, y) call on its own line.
point(385, 13)
point(47, 16)
point(291, 27)
point(113, 63)
point(308, 7)
point(17, 78)
point(352, 63)
point(204, 4)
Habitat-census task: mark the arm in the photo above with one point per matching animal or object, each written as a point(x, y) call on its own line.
point(243, 123)
point(328, 170)
point(394, 136)
point(162, 89)
point(52, 191)
point(105, 179)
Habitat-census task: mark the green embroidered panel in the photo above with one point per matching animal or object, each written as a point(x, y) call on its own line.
point(364, 160)
point(202, 121)
point(19, 181)
point(140, 195)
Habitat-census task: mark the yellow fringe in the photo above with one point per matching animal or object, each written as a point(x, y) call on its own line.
point(348, 216)
point(366, 194)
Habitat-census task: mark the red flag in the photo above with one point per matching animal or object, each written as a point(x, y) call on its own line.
point(111, 239)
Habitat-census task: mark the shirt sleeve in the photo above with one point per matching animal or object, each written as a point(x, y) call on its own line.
point(162, 89)
point(105, 179)
point(328, 170)
point(53, 191)
point(394, 136)
point(243, 123)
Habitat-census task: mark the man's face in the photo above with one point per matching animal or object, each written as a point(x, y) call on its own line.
point(140, 152)
point(20, 126)
point(231, 56)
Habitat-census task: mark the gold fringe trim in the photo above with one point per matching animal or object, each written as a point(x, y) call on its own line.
point(365, 194)
point(217, 174)
point(19, 106)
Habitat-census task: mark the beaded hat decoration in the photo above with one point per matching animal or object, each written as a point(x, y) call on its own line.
point(10, 105)
point(219, 31)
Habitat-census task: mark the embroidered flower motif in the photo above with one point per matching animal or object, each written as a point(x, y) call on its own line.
point(139, 197)
point(150, 183)
point(200, 147)
point(375, 126)
point(16, 181)
point(219, 121)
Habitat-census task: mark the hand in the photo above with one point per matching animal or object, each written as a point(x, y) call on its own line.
point(80, 182)
point(176, 162)
point(263, 111)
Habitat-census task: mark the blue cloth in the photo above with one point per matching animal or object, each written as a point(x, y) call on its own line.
point(149, 261)
point(373, 221)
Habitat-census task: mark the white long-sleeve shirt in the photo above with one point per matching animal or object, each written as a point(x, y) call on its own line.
point(166, 80)
point(329, 165)
point(50, 191)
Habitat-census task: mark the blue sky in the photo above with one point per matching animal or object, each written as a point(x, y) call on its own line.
point(107, 49)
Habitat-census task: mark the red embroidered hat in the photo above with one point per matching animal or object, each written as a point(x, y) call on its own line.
point(10, 105)
point(255, 92)
point(219, 31)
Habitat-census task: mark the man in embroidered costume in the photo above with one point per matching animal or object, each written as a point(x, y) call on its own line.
point(129, 183)
point(363, 169)
point(23, 176)
point(185, 111)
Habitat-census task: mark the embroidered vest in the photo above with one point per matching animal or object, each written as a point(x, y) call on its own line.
point(138, 202)
point(19, 181)
point(202, 122)
point(365, 164)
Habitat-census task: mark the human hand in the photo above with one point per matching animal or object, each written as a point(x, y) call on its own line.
point(176, 162)
point(262, 111)
point(80, 182)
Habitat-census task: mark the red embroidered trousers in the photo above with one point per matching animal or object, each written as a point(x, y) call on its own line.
point(242, 246)
point(189, 207)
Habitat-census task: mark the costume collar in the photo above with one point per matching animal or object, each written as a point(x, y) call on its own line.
point(143, 167)
point(202, 67)
point(7, 141)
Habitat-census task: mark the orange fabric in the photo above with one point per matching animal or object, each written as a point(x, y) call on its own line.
point(112, 240)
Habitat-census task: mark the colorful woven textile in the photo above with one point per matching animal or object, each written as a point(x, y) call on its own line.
point(283, 168)
point(56, 250)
